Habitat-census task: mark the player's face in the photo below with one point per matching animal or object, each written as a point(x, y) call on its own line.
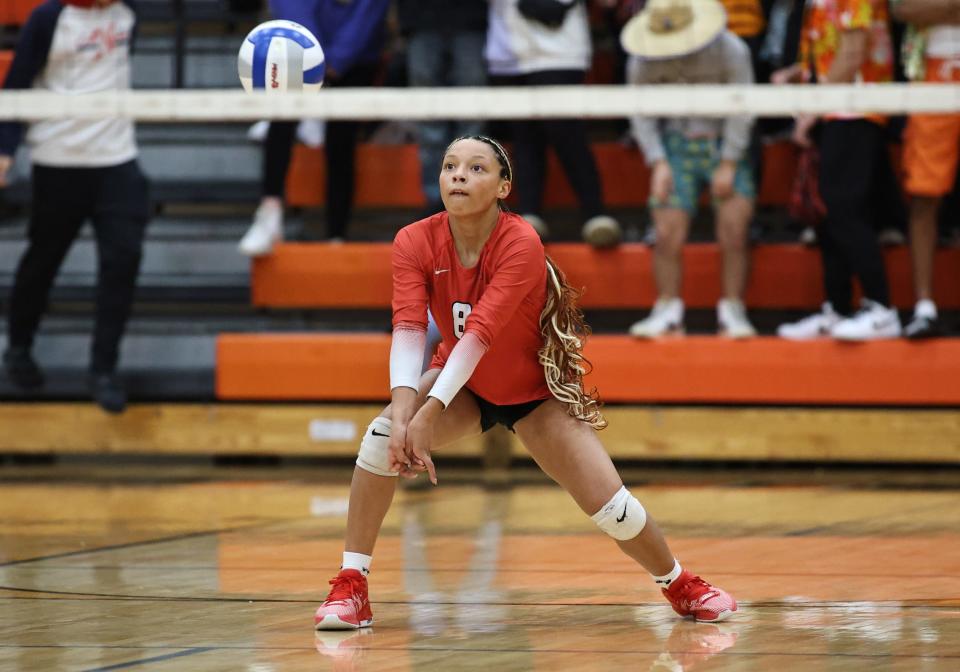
point(470, 181)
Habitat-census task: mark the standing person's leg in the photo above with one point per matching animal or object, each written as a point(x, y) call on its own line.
point(371, 493)
point(427, 56)
point(733, 221)
point(267, 227)
point(61, 203)
point(569, 451)
point(931, 154)
point(530, 162)
point(848, 158)
point(119, 223)
point(734, 215)
point(671, 221)
point(277, 150)
point(467, 68)
point(341, 146)
point(850, 155)
point(569, 140)
point(837, 269)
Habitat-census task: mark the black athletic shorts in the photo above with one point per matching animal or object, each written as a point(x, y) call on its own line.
point(506, 414)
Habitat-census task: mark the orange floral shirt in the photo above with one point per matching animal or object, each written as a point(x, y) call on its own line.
point(823, 23)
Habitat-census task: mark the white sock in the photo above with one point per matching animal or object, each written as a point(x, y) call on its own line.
point(357, 561)
point(665, 580)
point(925, 308)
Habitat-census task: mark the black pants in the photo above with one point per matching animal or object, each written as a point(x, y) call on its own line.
point(116, 201)
point(568, 137)
point(851, 163)
point(340, 147)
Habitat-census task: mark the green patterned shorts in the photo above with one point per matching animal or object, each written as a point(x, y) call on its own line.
point(692, 162)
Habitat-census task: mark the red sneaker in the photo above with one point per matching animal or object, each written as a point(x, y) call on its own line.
point(347, 607)
point(690, 595)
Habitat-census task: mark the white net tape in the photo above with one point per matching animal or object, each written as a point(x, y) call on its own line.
point(486, 103)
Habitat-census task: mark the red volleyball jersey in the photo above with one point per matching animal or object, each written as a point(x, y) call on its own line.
point(499, 300)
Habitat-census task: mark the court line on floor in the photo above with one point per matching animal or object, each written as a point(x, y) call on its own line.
point(155, 659)
point(457, 570)
point(108, 597)
point(732, 652)
point(144, 542)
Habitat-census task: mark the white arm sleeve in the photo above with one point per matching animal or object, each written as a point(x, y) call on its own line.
point(406, 357)
point(459, 367)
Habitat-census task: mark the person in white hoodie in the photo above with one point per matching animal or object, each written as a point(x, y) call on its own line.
point(547, 43)
point(82, 169)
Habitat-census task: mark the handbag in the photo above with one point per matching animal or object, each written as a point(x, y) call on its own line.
point(806, 206)
point(551, 13)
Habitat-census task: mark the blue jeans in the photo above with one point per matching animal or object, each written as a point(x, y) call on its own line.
point(435, 59)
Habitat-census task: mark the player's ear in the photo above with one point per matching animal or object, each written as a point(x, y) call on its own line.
point(504, 190)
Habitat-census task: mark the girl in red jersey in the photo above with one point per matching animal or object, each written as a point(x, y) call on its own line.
point(510, 354)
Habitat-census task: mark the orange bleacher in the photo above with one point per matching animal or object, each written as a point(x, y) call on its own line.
point(15, 12)
point(390, 176)
point(6, 58)
point(314, 275)
point(702, 369)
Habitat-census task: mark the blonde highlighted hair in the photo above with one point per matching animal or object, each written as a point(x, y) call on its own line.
point(564, 331)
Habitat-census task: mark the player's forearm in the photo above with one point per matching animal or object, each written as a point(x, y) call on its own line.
point(403, 406)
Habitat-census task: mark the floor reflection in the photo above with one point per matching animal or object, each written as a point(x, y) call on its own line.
point(471, 580)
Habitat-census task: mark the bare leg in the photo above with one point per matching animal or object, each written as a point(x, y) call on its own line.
point(672, 226)
point(733, 220)
point(371, 495)
point(923, 243)
point(570, 453)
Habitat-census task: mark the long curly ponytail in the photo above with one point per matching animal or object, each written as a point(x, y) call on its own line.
point(564, 365)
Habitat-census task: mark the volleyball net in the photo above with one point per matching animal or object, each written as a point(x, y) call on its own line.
point(585, 102)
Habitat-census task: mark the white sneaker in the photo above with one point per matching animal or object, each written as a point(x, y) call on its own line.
point(312, 132)
point(665, 318)
point(814, 326)
point(732, 320)
point(602, 231)
point(258, 132)
point(540, 226)
point(872, 322)
point(264, 233)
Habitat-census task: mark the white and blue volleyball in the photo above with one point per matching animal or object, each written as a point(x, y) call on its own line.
point(280, 56)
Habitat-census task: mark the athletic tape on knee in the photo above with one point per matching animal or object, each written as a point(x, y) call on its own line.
point(374, 453)
point(623, 517)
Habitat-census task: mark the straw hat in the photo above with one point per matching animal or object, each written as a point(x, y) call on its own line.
point(673, 28)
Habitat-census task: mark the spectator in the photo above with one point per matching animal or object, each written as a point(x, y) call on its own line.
point(444, 48)
point(546, 43)
point(82, 169)
point(931, 144)
point(685, 42)
point(847, 41)
point(351, 34)
point(746, 19)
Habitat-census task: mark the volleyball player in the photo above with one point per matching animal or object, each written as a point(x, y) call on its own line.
point(510, 354)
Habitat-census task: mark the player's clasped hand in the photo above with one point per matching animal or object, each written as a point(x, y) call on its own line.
point(418, 445)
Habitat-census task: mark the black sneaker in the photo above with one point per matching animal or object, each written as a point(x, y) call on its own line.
point(922, 327)
point(108, 392)
point(21, 369)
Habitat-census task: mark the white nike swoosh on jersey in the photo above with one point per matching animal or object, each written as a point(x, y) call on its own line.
point(441, 270)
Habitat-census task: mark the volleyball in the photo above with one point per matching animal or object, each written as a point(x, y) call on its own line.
point(279, 56)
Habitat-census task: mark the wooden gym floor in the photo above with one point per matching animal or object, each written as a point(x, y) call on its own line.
point(225, 575)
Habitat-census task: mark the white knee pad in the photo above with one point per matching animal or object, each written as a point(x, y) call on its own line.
point(374, 453)
point(623, 517)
